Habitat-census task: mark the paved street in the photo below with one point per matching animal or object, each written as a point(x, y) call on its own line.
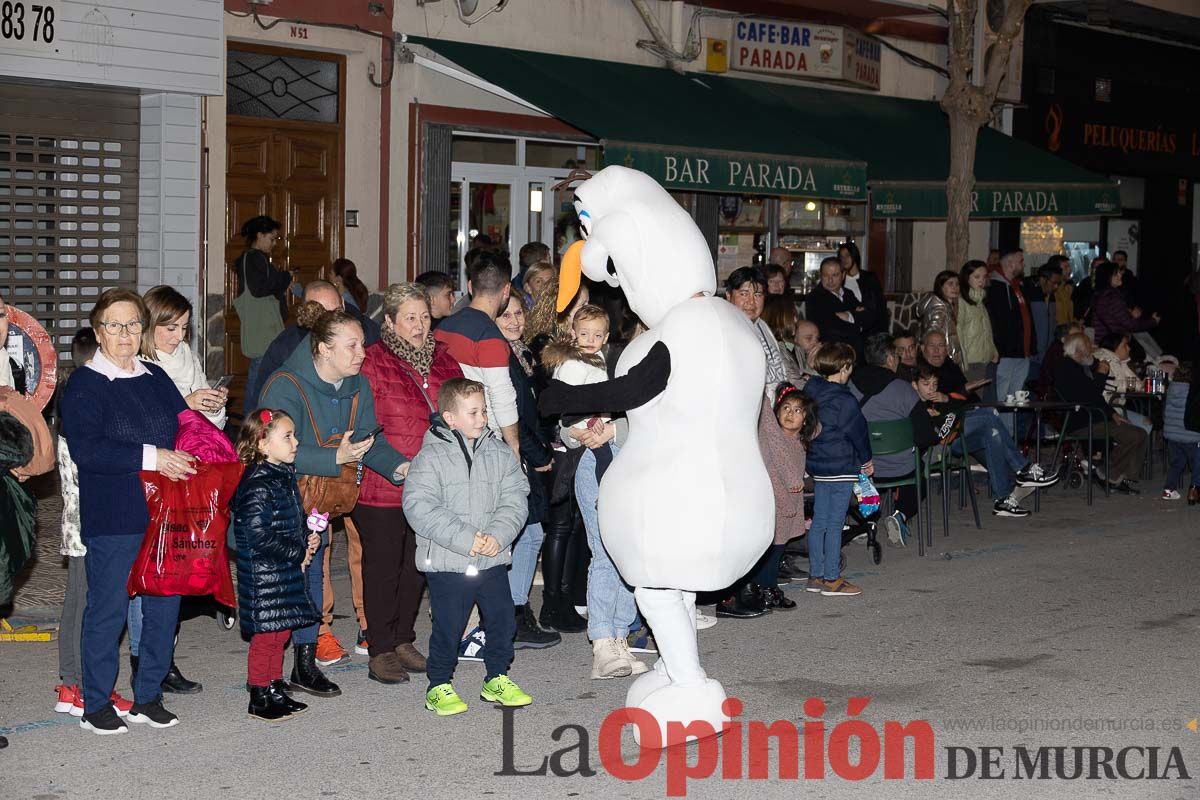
point(1083, 622)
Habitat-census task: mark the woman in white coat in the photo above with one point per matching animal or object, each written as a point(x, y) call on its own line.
point(687, 504)
point(165, 342)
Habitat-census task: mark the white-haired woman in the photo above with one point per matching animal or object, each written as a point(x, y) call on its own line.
point(405, 369)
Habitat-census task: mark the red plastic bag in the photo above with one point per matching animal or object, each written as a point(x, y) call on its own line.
point(184, 550)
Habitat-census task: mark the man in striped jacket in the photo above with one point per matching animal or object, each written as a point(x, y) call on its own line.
point(478, 346)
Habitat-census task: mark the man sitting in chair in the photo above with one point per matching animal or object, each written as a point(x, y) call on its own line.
point(1079, 378)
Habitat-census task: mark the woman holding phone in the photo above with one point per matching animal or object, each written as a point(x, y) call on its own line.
point(166, 343)
point(321, 388)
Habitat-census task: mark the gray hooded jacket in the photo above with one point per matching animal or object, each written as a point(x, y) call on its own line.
point(455, 488)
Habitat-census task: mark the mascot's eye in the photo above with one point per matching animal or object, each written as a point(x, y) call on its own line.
point(612, 268)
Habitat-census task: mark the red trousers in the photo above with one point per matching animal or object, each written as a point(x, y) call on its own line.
point(265, 662)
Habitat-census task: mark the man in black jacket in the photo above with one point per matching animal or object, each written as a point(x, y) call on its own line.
point(1079, 378)
point(872, 315)
point(834, 309)
point(1012, 325)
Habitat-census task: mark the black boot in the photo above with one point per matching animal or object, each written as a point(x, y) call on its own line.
point(307, 676)
point(558, 613)
point(745, 603)
point(175, 683)
point(277, 688)
point(529, 635)
point(265, 706)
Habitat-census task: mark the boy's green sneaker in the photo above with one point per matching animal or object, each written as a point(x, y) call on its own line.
point(444, 701)
point(502, 690)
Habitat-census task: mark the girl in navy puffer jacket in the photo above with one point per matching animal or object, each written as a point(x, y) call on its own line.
point(835, 458)
point(273, 551)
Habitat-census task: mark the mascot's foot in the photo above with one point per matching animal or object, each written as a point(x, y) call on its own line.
point(647, 684)
point(675, 708)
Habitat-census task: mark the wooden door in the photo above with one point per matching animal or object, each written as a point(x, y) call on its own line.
point(293, 173)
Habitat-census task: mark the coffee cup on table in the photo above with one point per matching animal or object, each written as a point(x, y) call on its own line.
point(1022, 396)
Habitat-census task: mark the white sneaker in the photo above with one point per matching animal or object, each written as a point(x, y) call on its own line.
point(636, 666)
point(1168, 494)
point(704, 621)
point(609, 660)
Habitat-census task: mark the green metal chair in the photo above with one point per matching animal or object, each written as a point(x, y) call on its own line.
point(947, 461)
point(896, 436)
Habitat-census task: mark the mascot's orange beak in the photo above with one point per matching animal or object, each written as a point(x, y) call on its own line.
point(569, 274)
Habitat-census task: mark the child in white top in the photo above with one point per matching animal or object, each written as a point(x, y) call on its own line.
point(578, 363)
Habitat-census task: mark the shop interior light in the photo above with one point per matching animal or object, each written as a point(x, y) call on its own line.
point(535, 200)
point(811, 205)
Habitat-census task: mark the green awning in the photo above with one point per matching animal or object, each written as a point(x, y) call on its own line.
point(691, 132)
point(702, 132)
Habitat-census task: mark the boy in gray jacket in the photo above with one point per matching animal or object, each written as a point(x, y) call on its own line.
point(466, 500)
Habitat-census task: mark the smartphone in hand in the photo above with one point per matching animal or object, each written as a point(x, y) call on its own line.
point(362, 437)
point(223, 382)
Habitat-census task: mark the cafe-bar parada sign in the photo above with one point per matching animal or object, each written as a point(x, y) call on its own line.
point(805, 50)
point(742, 173)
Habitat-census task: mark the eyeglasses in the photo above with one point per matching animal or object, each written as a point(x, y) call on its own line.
point(116, 328)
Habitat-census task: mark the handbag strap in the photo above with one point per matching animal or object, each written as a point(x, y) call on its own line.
point(334, 440)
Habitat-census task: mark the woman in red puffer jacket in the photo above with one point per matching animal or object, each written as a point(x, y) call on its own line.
point(405, 370)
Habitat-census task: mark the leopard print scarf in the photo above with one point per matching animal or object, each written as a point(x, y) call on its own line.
point(419, 358)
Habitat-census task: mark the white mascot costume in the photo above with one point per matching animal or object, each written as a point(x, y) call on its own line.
point(687, 504)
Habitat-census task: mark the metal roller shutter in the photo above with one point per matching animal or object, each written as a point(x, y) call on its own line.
point(68, 201)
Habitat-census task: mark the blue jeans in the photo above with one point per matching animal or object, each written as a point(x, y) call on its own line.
point(315, 574)
point(611, 607)
point(108, 561)
point(1011, 374)
point(984, 430)
point(1180, 455)
point(1141, 420)
point(524, 562)
point(133, 623)
point(831, 501)
point(251, 403)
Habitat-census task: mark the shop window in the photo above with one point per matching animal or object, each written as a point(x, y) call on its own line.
point(483, 150)
point(561, 155)
point(281, 87)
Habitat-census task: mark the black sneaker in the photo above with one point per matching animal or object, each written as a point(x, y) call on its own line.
point(1125, 487)
point(104, 722)
point(152, 714)
point(1035, 476)
point(1008, 507)
point(529, 635)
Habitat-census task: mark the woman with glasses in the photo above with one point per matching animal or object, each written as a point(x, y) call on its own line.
point(120, 417)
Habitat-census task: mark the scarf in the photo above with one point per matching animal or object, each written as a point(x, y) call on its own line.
point(775, 371)
point(419, 359)
point(524, 356)
point(182, 369)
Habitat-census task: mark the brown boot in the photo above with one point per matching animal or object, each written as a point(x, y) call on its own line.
point(387, 668)
point(1193, 496)
point(410, 657)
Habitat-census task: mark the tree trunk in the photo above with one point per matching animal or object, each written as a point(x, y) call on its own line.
point(960, 189)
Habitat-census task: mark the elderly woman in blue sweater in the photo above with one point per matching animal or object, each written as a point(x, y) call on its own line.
point(120, 417)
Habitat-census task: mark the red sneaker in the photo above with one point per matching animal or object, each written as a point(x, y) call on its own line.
point(329, 650)
point(77, 704)
point(121, 704)
point(66, 697)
